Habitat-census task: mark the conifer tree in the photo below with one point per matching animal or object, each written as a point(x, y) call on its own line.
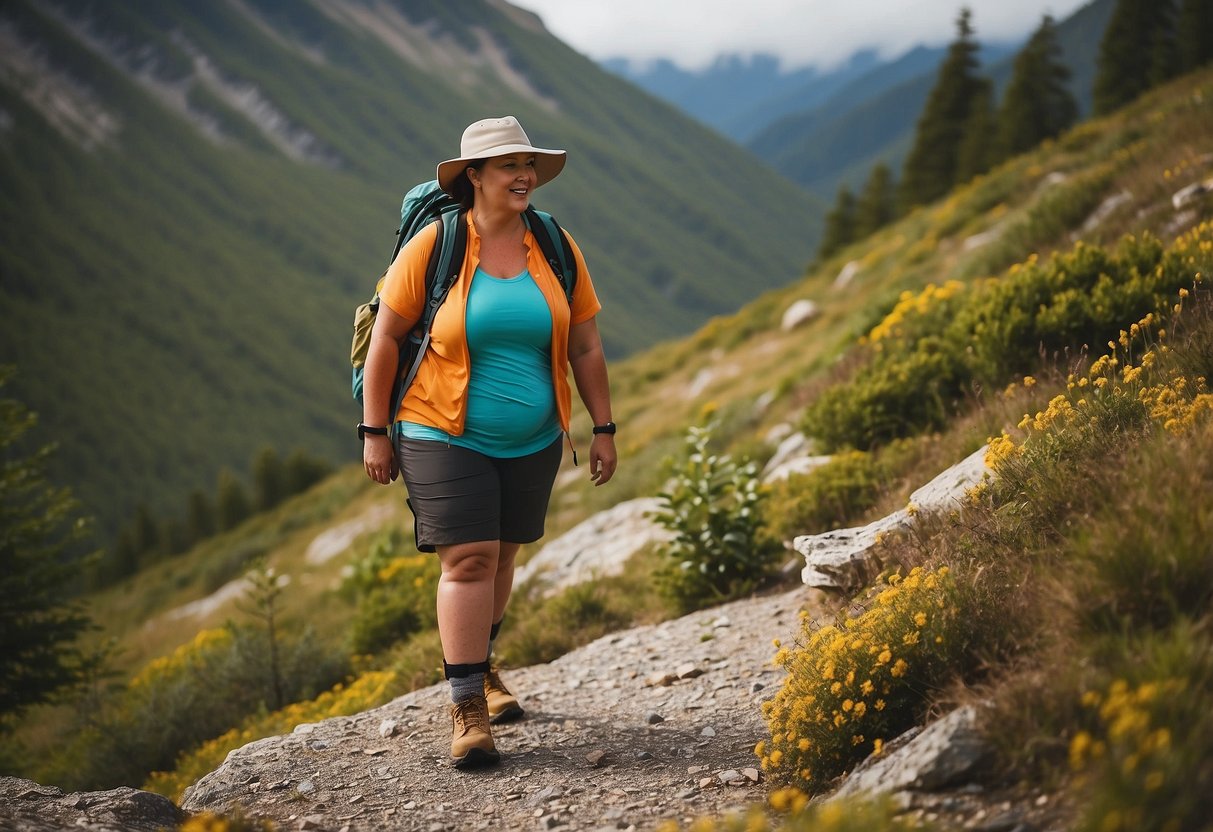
point(1194, 36)
point(931, 168)
point(39, 528)
point(1037, 104)
point(976, 154)
point(200, 517)
point(268, 479)
point(231, 503)
point(1134, 53)
point(840, 224)
point(874, 208)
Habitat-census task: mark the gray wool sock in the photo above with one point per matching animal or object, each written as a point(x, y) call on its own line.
point(467, 687)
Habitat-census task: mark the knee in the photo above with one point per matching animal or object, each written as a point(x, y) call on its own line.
point(469, 563)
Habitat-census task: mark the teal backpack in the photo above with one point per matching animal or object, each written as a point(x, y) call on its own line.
point(425, 204)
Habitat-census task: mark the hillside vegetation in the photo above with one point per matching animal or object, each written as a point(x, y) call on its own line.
point(1072, 593)
point(194, 197)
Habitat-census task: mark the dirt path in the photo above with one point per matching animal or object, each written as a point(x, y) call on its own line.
point(604, 745)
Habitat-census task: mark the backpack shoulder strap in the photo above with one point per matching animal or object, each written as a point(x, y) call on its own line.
point(558, 254)
point(441, 272)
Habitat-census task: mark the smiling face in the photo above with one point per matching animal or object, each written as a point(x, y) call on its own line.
point(505, 182)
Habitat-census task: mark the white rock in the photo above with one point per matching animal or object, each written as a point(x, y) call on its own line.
point(796, 465)
point(1186, 196)
point(840, 559)
point(800, 312)
point(599, 545)
point(847, 274)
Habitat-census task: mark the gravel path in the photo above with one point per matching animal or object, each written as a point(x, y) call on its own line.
point(648, 724)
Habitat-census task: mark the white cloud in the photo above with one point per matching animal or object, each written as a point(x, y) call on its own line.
point(799, 32)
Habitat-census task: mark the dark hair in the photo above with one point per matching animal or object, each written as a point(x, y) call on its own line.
point(462, 188)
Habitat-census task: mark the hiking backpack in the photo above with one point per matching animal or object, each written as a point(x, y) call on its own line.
point(424, 204)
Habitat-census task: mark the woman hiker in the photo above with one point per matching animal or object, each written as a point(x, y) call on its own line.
point(481, 430)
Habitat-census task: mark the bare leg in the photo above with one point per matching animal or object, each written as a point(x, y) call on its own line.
point(466, 597)
point(503, 583)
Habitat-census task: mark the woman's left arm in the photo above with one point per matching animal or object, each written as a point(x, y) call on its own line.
point(590, 374)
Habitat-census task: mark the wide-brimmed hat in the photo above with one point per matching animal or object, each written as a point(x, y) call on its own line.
point(498, 137)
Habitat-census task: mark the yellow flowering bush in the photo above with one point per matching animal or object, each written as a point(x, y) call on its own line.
point(1146, 761)
point(210, 822)
point(855, 684)
point(911, 310)
point(393, 592)
point(370, 690)
point(935, 347)
point(789, 811)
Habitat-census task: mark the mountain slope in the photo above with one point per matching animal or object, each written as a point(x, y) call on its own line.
point(195, 196)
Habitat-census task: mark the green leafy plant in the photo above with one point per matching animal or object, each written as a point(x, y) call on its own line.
point(713, 507)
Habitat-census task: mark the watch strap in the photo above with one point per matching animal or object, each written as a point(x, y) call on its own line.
point(608, 428)
point(364, 429)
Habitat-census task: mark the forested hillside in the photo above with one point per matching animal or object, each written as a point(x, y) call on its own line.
point(873, 118)
point(194, 196)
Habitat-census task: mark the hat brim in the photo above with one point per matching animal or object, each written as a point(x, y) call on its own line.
point(548, 164)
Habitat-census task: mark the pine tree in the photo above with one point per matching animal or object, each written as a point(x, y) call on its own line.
point(231, 503)
point(874, 209)
point(268, 479)
point(840, 224)
point(301, 471)
point(1194, 34)
point(931, 168)
point(1037, 105)
point(976, 154)
point(39, 528)
point(1133, 52)
point(200, 517)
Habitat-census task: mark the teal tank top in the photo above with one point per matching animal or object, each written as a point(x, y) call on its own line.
point(511, 402)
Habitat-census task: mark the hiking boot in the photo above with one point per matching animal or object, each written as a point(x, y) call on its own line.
point(503, 706)
point(471, 738)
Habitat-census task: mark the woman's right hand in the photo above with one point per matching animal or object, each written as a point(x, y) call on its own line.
point(379, 459)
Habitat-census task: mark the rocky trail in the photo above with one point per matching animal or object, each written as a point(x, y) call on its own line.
point(654, 723)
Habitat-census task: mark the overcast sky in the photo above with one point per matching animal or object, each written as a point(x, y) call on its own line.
point(801, 32)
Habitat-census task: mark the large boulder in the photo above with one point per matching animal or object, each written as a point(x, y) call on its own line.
point(597, 546)
point(28, 807)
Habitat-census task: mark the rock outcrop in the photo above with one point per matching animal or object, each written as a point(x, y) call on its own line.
point(29, 807)
point(842, 559)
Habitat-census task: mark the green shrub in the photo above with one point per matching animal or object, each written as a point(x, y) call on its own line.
point(394, 594)
point(173, 704)
point(713, 507)
point(831, 496)
point(892, 397)
point(548, 629)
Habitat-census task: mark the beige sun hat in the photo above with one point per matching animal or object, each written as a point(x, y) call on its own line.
point(497, 137)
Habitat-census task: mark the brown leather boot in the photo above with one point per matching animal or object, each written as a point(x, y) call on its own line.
point(503, 705)
point(471, 738)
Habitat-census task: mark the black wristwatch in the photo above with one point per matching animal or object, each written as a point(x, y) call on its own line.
point(364, 429)
point(608, 428)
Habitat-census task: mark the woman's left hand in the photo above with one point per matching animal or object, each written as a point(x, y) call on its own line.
point(603, 458)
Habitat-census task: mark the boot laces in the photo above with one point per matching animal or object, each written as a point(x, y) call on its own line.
point(469, 714)
point(493, 682)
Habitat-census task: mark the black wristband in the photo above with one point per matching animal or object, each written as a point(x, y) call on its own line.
point(608, 428)
point(364, 429)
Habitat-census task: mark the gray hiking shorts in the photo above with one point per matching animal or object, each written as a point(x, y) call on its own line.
point(458, 495)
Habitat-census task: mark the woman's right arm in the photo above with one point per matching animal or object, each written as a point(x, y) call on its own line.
point(379, 375)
